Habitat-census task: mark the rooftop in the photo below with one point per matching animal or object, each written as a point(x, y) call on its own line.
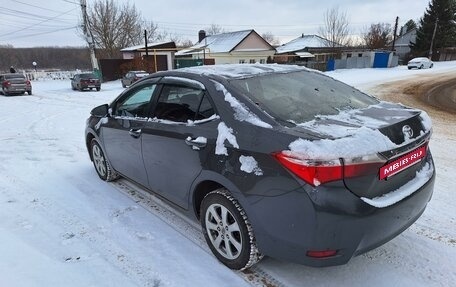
point(303, 42)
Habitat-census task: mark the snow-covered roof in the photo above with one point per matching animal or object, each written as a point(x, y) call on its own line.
point(141, 47)
point(241, 70)
point(305, 41)
point(220, 43)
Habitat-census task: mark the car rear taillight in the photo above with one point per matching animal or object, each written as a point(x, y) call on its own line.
point(6, 84)
point(27, 83)
point(316, 172)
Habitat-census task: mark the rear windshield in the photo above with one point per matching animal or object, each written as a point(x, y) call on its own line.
point(88, 76)
point(298, 97)
point(14, 76)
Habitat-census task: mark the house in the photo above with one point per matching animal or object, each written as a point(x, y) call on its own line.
point(403, 43)
point(238, 47)
point(309, 50)
point(162, 53)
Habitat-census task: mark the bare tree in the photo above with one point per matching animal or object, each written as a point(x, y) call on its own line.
point(180, 42)
point(214, 29)
point(270, 38)
point(115, 25)
point(153, 32)
point(335, 28)
point(377, 36)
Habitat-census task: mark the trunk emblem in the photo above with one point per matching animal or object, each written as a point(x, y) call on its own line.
point(407, 131)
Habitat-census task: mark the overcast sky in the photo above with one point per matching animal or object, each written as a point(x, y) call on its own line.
point(30, 23)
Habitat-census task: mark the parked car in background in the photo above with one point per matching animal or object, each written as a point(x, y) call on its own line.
point(15, 84)
point(85, 81)
point(131, 77)
point(420, 63)
point(272, 160)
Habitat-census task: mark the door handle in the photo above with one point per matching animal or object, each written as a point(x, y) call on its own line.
point(196, 143)
point(136, 133)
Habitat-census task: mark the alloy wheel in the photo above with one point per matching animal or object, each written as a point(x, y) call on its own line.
point(223, 231)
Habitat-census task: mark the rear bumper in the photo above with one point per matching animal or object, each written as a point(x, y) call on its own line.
point(88, 86)
point(15, 90)
point(288, 226)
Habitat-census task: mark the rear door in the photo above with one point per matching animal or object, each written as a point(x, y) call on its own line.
point(122, 135)
point(179, 138)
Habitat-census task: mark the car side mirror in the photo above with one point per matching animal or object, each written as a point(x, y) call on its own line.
point(100, 111)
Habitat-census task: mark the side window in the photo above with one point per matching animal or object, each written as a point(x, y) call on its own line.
point(136, 104)
point(206, 110)
point(180, 104)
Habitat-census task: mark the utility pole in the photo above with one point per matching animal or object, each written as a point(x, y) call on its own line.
point(146, 58)
point(145, 41)
point(433, 37)
point(394, 35)
point(88, 35)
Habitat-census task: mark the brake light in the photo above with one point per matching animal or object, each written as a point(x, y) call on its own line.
point(316, 172)
point(27, 83)
point(6, 84)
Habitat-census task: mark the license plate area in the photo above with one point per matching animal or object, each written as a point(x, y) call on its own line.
point(402, 163)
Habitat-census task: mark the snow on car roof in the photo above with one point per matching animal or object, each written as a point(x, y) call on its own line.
point(242, 70)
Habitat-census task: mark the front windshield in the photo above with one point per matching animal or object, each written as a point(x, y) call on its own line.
point(298, 97)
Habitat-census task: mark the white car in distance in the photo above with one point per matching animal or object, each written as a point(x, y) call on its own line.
point(420, 63)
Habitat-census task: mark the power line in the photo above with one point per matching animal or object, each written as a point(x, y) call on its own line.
point(42, 33)
point(71, 2)
point(48, 19)
point(39, 7)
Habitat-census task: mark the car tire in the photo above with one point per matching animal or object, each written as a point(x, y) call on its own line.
point(232, 229)
point(421, 67)
point(102, 166)
point(29, 93)
point(98, 89)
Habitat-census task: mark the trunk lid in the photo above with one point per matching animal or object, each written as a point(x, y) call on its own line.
point(386, 137)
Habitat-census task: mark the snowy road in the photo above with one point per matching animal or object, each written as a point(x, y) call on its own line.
point(62, 226)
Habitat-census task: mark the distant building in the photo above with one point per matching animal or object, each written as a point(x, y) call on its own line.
point(163, 51)
point(364, 58)
point(229, 48)
point(403, 44)
point(310, 50)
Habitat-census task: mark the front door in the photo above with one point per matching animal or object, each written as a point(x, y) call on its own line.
point(122, 135)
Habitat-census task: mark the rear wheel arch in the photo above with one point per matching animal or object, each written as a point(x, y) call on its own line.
point(200, 191)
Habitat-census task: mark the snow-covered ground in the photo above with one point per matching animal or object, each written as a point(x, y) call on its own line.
point(60, 225)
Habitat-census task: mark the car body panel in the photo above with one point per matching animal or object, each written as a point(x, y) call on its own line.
point(289, 216)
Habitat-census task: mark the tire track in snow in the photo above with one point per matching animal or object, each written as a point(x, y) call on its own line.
point(73, 227)
point(255, 275)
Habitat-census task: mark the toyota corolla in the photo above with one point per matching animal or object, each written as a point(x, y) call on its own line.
point(272, 160)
